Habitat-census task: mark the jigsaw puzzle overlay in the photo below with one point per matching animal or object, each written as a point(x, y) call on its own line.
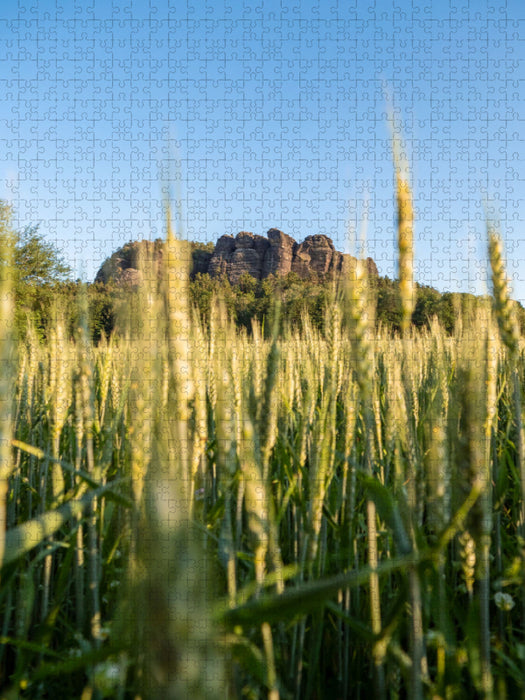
point(263, 116)
point(233, 497)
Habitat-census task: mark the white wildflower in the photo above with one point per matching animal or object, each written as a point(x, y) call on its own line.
point(504, 601)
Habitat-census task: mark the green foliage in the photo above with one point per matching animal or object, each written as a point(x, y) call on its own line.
point(42, 285)
point(203, 289)
point(447, 318)
point(388, 310)
point(43, 288)
point(38, 275)
point(253, 300)
point(37, 261)
point(427, 306)
point(101, 310)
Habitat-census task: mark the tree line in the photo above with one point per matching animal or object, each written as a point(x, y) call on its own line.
point(43, 287)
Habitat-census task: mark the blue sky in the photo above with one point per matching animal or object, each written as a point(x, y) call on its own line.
point(266, 114)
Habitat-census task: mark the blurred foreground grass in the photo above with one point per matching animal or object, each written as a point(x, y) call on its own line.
point(207, 513)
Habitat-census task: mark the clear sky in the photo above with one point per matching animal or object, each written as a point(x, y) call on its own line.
point(264, 114)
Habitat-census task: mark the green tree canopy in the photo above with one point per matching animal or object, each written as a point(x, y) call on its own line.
point(39, 276)
point(36, 260)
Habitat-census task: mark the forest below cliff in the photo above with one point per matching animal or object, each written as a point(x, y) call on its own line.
point(45, 288)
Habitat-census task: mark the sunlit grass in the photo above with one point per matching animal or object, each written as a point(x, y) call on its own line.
point(207, 513)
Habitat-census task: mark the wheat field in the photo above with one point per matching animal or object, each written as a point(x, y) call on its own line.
point(206, 513)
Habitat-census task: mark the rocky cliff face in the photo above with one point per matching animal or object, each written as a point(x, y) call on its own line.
point(279, 254)
point(259, 256)
point(123, 266)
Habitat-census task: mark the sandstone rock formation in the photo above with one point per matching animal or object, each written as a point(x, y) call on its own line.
point(259, 256)
point(314, 254)
point(123, 266)
point(279, 254)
